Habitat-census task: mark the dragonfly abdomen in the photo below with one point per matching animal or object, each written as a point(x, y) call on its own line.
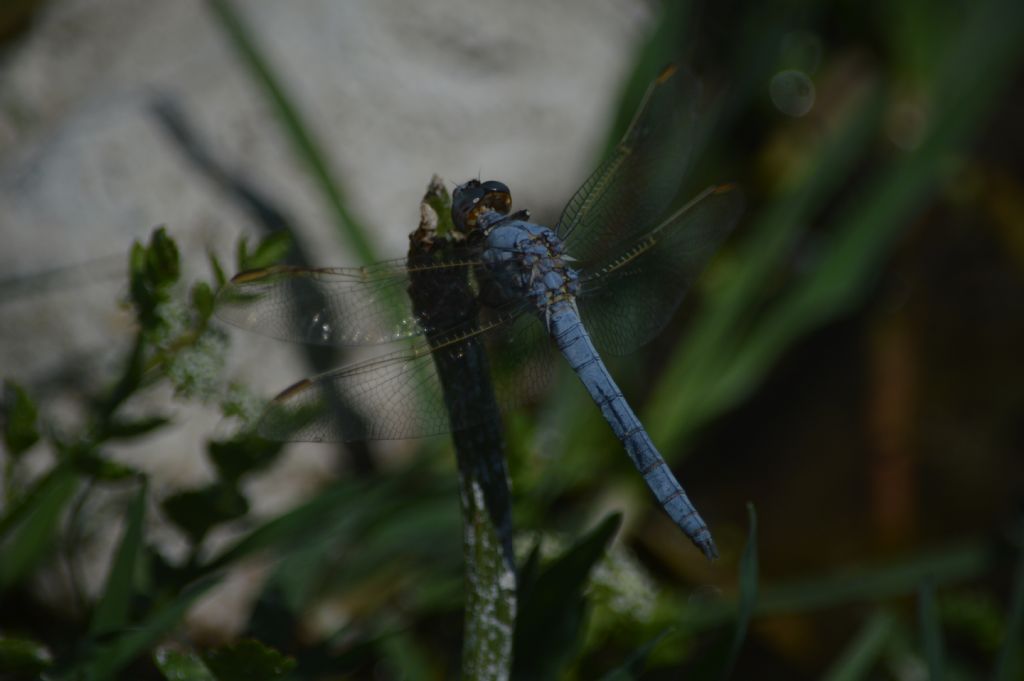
point(574, 342)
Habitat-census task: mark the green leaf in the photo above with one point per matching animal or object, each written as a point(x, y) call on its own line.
point(241, 253)
point(548, 626)
point(748, 593)
point(112, 613)
point(19, 416)
point(245, 453)
point(271, 250)
point(104, 662)
point(219, 277)
point(153, 270)
point(93, 464)
point(248, 660)
point(162, 260)
point(23, 658)
point(196, 512)
point(129, 428)
point(178, 665)
point(137, 262)
point(202, 300)
point(36, 523)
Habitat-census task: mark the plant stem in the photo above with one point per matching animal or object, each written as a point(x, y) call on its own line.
point(443, 298)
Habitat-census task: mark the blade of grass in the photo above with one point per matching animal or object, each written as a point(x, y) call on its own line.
point(106, 661)
point(35, 523)
point(863, 652)
point(748, 594)
point(634, 664)
point(852, 586)
point(709, 377)
point(337, 509)
point(298, 131)
point(687, 393)
point(1008, 663)
point(872, 220)
point(113, 609)
point(931, 630)
point(405, 657)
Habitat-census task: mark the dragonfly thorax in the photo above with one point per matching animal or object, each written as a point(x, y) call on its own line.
point(526, 261)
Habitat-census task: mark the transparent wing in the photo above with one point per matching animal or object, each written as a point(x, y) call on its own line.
point(635, 185)
point(399, 395)
point(628, 298)
point(328, 306)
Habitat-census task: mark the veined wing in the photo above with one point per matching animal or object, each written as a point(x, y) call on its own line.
point(329, 306)
point(399, 396)
point(635, 185)
point(628, 298)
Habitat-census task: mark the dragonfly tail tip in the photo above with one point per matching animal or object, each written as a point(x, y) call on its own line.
point(707, 546)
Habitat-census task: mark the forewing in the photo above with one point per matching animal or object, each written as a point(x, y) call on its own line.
point(399, 395)
point(627, 299)
point(327, 306)
point(635, 185)
point(392, 397)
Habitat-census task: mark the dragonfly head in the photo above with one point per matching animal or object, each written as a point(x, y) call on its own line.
point(475, 198)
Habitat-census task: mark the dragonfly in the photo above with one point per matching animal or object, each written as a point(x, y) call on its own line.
point(605, 280)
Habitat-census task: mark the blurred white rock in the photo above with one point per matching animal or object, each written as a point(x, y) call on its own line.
point(394, 90)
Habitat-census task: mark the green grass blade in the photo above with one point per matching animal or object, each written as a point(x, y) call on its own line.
point(863, 653)
point(405, 657)
point(748, 594)
point(107, 660)
point(724, 361)
point(37, 518)
point(890, 580)
point(1008, 663)
point(931, 630)
point(858, 585)
point(19, 417)
point(688, 391)
point(634, 665)
point(298, 131)
point(113, 610)
point(337, 509)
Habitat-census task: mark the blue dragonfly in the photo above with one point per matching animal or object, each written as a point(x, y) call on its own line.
point(608, 277)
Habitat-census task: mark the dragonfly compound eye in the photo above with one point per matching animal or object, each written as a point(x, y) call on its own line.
point(471, 199)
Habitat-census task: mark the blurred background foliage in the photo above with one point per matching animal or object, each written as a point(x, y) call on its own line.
point(851, 365)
